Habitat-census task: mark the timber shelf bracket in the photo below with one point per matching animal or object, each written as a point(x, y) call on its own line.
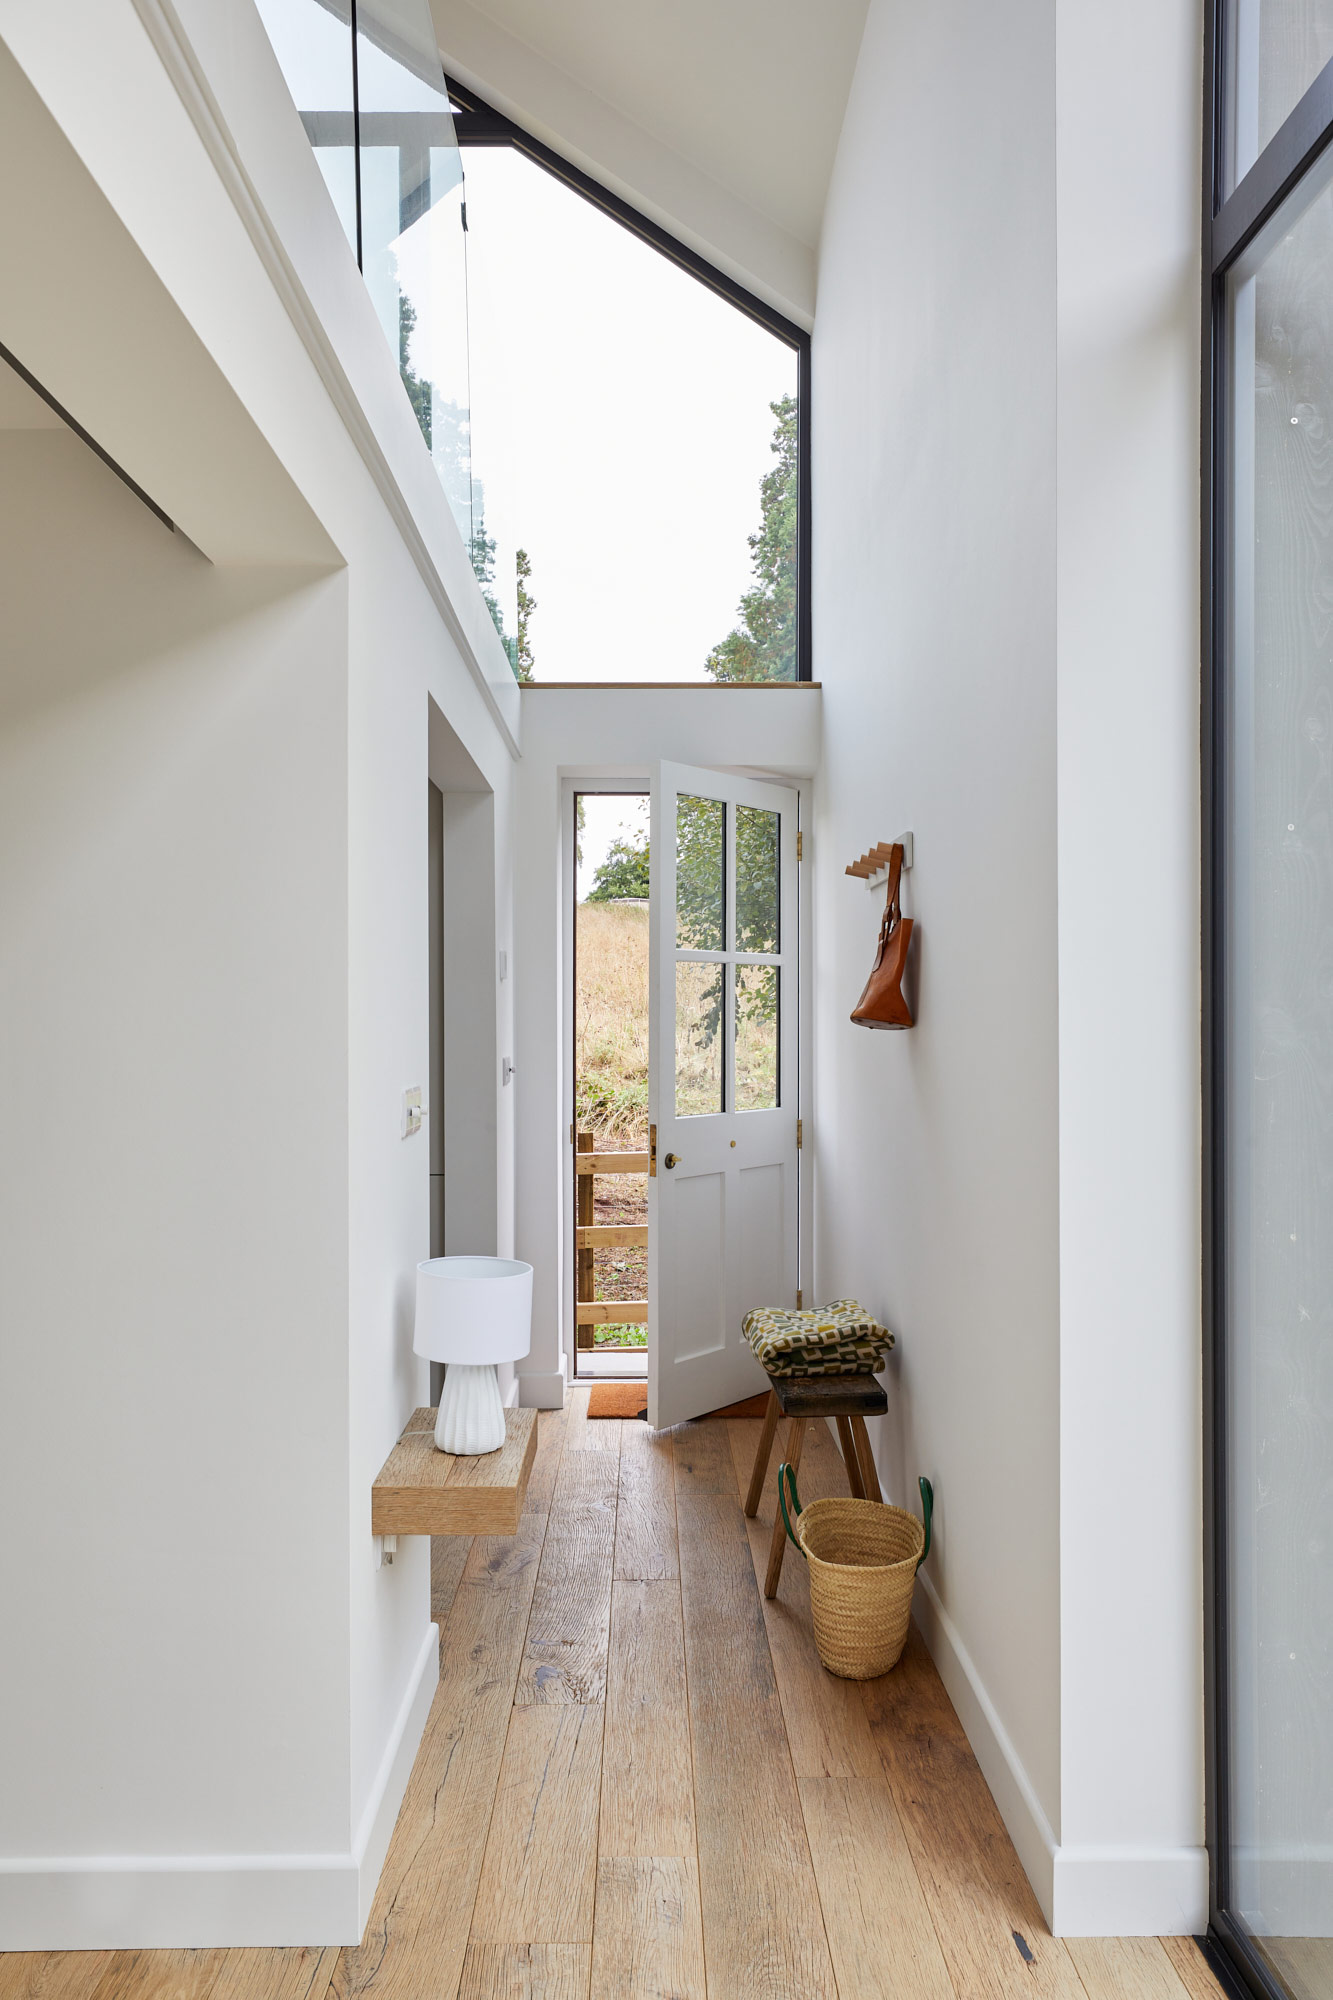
point(873, 867)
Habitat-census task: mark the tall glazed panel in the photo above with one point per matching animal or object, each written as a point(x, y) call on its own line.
point(1277, 924)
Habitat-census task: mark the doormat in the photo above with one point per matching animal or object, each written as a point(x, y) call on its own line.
point(753, 1406)
point(618, 1399)
point(630, 1399)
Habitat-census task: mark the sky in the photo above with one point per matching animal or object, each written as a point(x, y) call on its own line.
point(608, 816)
point(620, 424)
point(620, 411)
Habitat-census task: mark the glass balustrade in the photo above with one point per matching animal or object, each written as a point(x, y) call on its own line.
point(371, 93)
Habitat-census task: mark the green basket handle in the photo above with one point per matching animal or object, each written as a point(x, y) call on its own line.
point(796, 1502)
point(927, 1511)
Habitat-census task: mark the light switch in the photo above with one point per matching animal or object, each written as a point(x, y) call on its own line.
point(412, 1111)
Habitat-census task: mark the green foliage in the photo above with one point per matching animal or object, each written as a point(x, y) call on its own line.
point(527, 604)
point(419, 392)
point(603, 1105)
point(623, 873)
point(700, 906)
point(620, 1336)
point(762, 647)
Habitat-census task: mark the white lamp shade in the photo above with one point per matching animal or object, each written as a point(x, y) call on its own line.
point(473, 1310)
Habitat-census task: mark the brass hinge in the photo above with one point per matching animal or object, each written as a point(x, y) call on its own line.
point(800, 1298)
point(652, 1152)
point(800, 845)
point(798, 1135)
point(571, 1135)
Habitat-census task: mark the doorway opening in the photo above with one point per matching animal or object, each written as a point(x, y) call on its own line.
point(611, 1137)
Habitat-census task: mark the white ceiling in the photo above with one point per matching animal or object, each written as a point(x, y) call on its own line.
point(719, 117)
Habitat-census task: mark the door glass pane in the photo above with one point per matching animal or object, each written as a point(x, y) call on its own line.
point(756, 1037)
point(757, 900)
point(699, 989)
point(1275, 50)
point(701, 898)
point(1278, 1361)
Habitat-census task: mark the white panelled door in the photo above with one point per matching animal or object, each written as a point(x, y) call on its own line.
point(721, 1081)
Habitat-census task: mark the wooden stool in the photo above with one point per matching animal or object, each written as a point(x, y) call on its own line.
point(849, 1398)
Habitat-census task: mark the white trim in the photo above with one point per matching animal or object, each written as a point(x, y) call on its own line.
point(108, 1902)
point(1011, 1788)
point(542, 1391)
point(511, 1395)
point(1130, 1892)
point(1083, 1891)
point(178, 58)
point(386, 1793)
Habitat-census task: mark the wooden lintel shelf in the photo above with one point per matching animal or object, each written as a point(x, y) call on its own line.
point(611, 1163)
point(611, 1312)
point(611, 1235)
point(422, 1491)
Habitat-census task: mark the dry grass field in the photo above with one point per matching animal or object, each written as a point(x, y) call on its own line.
point(611, 1029)
point(611, 1083)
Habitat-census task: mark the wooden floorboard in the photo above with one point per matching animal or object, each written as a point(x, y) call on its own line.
point(827, 1726)
point(991, 1930)
point(550, 1450)
point(51, 1975)
point(637, 1782)
point(647, 1781)
point(649, 1939)
point(879, 1928)
point(525, 1972)
point(646, 1518)
point(1125, 1969)
point(569, 1625)
point(1193, 1969)
point(419, 1925)
point(763, 1926)
point(160, 1975)
point(539, 1875)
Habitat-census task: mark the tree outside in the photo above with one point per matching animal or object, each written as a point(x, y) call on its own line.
point(762, 646)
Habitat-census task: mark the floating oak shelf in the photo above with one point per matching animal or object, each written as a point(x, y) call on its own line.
point(421, 1491)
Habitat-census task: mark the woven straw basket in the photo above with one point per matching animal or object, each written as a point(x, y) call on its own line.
point(863, 1558)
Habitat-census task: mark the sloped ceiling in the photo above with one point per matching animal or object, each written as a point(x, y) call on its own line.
point(720, 118)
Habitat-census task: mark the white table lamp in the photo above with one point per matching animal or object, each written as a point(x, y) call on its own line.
point(472, 1312)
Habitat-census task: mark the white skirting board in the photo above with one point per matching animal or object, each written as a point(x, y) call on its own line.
point(121, 1901)
point(542, 1392)
point(1083, 1891)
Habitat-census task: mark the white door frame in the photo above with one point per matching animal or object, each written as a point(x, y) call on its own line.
point(635, 778)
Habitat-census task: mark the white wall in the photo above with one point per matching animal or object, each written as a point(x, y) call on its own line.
point(1128, 90)
point(173, 852)
point(590, 732)
point(209, 234)
point(1005, 412)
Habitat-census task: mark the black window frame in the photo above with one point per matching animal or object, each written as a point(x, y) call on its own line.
point(1230, 224)
point(477, 123)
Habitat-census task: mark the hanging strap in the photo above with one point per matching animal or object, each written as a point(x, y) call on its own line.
point(927, 1512)
point(795, 1500)
point(892, 904)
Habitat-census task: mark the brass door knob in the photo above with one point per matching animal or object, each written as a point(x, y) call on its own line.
point(671, 1160)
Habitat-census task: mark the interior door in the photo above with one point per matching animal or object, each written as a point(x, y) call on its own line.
point(721, 1081)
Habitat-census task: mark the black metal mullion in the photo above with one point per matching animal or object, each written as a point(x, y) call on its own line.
point(1283, 163)
point(356, 137)
point(1228, 229)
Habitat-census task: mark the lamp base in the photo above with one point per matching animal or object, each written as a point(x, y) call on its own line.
point(472, 1412)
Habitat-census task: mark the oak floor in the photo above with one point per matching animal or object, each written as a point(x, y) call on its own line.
point(637, 1783)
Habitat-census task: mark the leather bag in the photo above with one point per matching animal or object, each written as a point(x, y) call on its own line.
point(883, 1005)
